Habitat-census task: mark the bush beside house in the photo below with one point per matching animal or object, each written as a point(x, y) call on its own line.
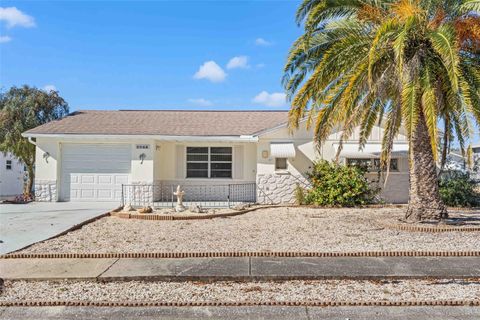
point(337, 185)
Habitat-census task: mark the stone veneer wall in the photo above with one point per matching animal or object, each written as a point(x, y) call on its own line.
point(139, 193)
point(279, 188)
point(45, 190)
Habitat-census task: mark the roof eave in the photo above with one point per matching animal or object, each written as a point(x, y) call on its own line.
point(74, 136)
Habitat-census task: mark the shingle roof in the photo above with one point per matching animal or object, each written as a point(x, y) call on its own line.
point(164, 122)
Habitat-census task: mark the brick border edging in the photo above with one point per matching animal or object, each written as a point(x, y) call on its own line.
point(148, 216)
point(317, 303)
point(430, 229)
point(236, 254)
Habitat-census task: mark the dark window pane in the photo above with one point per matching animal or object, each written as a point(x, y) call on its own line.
point(221, 157)
point(280, 163)
point(363, 163)
point(227, 150)
point(197, 157)
point(197, 166)
point(221, 166)
point(197, 150)
point(221, 174)
point(197, 173)
point(393, 164)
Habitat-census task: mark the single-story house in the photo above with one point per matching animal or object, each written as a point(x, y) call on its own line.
point(89, 155)
point(12, 173)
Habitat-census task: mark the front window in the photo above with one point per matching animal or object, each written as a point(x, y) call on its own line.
point(209, 162)
point(371, 164)
point(362, 163)
point(8, 165)
point(281, 164)
point(393, 164)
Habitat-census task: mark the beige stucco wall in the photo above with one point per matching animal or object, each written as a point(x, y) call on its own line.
point(395, 191)
point(162, 160)
point(46, 169)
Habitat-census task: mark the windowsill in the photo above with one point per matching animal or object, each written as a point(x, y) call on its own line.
point(282, 172)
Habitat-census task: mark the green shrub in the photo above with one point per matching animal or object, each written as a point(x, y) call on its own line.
point(458, 190)
point(339, 185)
point(299, 195)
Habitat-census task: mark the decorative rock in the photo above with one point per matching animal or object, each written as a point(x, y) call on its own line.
point(195, 208)
point(127, 208)
point(147, 209)
point(180, 209)
point(241, 206)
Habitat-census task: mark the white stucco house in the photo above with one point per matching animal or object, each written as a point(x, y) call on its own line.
point(88, 155)
point(12, 172)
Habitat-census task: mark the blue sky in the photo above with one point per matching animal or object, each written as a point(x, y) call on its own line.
point(149, 54)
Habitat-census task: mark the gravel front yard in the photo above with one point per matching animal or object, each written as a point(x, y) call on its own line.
point(272, 229)
point(336, 290)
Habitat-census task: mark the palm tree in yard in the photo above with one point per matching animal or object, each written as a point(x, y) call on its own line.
point(410, 62)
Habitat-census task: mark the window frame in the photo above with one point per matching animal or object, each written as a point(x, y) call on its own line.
point(8, 165)
point(210, 162)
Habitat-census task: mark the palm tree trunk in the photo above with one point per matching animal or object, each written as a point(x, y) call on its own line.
point(425, 202)
point(31, 177)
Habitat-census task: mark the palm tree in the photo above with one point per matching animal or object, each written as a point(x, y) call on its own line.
point(414, 63)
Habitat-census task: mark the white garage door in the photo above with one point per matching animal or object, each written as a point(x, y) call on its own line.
point(94, 172)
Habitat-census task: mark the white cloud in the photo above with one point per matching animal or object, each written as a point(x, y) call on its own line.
point(262, 42)
point(50, 87)
point(4, 39)
point(275, 99)
point(201, 102)
point(238, 62)
point(210, 70)
point(260, 65)
point(14, 17)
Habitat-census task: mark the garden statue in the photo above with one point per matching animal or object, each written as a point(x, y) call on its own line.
point(179, 193)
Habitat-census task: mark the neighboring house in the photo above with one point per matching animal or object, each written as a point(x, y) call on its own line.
point(12, 172)
point(476, 148)
point(455, 162)
point(88, 155)
point(475, 171)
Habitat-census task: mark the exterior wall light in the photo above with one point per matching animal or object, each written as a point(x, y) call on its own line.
point(264, 154)
point(46, 155)
point(142, 157)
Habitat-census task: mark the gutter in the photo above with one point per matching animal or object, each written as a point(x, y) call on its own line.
point(30, 139)
point(242, 138)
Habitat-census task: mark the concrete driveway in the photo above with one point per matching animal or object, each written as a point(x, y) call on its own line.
point(23, 224)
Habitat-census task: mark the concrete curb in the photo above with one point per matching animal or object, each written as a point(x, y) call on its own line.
point(326, 303)
point(235, 254)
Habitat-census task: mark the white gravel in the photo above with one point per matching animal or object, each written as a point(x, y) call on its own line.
point(272, 229)
point(336, 290)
